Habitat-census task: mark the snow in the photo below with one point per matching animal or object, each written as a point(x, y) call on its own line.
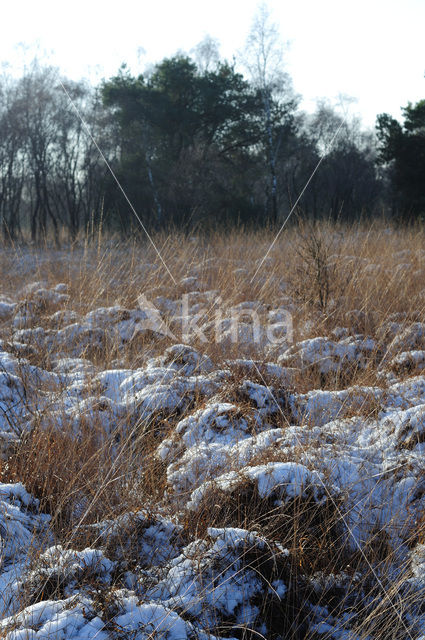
point(408, 361)
point(6, 310)
point(222, 427)
point(318, 407)
point(156, 540)
point(20, 525)
point(210, 580)
point(327, 355)
point(220, 423)
point(284, 480)
point(62, 619)
point(412, 337)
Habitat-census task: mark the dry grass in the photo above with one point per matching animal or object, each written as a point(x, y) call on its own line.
point(330, 272)
point(313, 533)
point(328, 276)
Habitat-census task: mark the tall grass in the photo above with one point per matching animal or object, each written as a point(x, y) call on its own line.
point(328, 275)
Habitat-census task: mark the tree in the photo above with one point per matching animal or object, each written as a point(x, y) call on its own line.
point(263, 58)
point(68, 152)
point(176, 114)
point(78, 173)
point(347, 183)
point(12, 161)
point(206, 54)
point(51, 174)
point(402, 152)
point(37, 121)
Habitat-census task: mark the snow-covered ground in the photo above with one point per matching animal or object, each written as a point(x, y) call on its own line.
point(246, 457)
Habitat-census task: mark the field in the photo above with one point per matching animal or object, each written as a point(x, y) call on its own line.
point(227, 445)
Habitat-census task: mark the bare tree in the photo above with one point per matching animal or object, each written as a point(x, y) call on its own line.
point(206, 54)
point(51, 173)
point(263, 57)
point(37, 113)
point(347, 183)
point(12, 161)
point(71, 153)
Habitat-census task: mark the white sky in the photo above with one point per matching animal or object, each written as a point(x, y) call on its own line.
point(373, 50)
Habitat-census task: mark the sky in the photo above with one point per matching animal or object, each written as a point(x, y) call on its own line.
point(371, 50)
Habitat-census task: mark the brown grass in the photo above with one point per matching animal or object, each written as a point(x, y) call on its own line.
point(328, 276)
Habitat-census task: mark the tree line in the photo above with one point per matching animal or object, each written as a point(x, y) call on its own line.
point(194, 142)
